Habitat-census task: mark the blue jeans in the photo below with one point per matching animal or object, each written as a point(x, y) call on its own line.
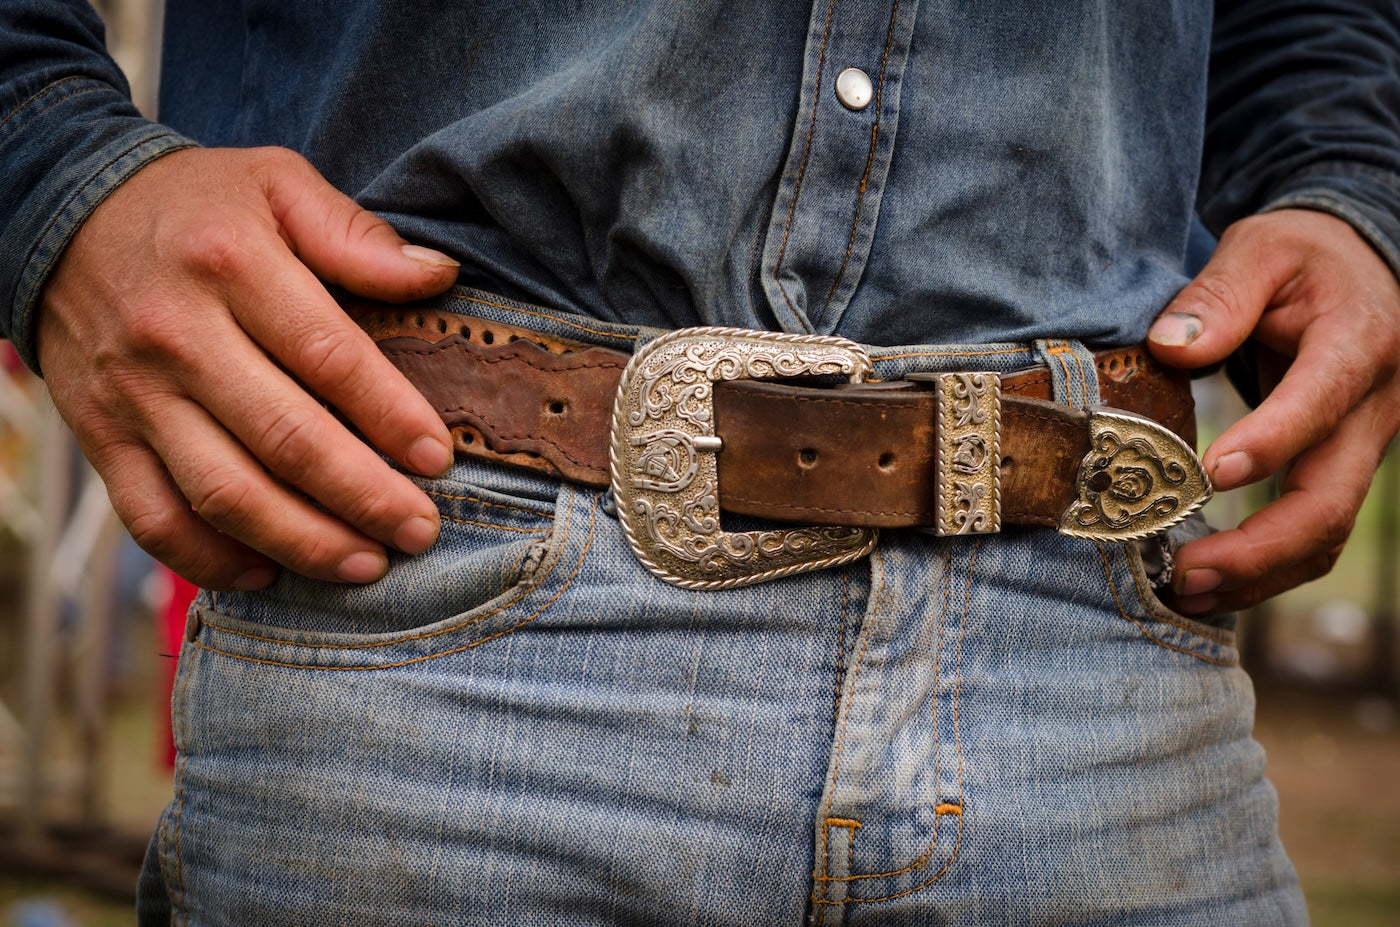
point(522, 726)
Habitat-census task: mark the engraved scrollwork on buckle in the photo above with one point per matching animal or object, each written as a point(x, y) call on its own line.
point(1138, 479)
point(664, 472)
point(968, 462)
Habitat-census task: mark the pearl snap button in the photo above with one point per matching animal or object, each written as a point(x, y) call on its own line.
point(853, 89)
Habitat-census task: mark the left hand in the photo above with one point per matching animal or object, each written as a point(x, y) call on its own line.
point(1324, 310)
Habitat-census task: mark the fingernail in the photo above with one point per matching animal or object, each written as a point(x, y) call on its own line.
point(429, 456)
point(1198, 582)
point(362, 567)
point(416, 534)
point(1232, 470)
point(428, 256)
point(1175, 329)
point(259, 577)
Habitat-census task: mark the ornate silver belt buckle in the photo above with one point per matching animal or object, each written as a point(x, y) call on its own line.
point(664, 472)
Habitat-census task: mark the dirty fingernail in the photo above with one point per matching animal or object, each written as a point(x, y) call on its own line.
point(1175, 329)
point(429, 456)
point(1197, 582)
point(362, 567)
point(428, 256)
point(416, 534)
point(258, 577)
point(1232, 470)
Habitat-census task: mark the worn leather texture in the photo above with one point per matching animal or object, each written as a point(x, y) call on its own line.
point(856, 454)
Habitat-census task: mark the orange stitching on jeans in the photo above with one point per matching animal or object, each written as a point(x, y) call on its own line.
point(479, 501)
point(487, 524)
point(869, 158)
point(542, 315)
point(1221, 637)
point(937, 667)
point(563, 540)
point(852, 823)
point(1113, 588)
point(1060, 348)
point(869, 629)
point(583, 555)
point(946, 807)
point(802, 168)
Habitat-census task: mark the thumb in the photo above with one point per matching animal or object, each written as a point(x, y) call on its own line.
point(1217, 311)
point(346, 245)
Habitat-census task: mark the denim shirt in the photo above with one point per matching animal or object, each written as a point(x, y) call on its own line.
point(1022, 169)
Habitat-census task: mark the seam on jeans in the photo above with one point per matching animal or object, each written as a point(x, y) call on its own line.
point(1222, 638)
point(802, 168)
point(1059, 349)
point(873, 623)
point(1057, 353)
point(583, 555)
point(938, 649)
point(1113, 588)
point(841, 644)
point(487, 524)
point(546, 317)
point(479, 501)
point(563, 541)
point(180, 790)
point(944, 807)
point(869, 160)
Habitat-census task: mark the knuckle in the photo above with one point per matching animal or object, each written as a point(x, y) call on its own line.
point(224, 498)
point(329, 360)
point(214, 248)
point(155, 529)
point(1215, 292)
point(371, 507)
point(286, 442)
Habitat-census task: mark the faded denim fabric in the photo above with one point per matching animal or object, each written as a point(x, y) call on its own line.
point(1026, 169)
point(523, 727)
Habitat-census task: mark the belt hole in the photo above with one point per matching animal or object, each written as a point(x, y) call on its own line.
point(464, 332)
point(807, 458)
point(555, 407)
point(418, 321)
point(442, 326)
point(488, 337)
point(886, 461)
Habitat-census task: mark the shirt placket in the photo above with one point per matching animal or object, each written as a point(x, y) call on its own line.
point(829, 196)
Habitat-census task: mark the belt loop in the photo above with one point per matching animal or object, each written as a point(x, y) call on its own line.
point(1072, 371)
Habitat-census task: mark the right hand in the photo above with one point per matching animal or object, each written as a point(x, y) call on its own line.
point(188, 342)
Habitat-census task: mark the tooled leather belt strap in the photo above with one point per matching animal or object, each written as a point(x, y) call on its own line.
point(698, 421)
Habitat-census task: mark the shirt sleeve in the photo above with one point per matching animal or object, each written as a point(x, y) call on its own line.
point(1304, 111)
point(69, 135)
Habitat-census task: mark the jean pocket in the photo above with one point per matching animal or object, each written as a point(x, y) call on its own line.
point(507, 541)
point(1138, 570)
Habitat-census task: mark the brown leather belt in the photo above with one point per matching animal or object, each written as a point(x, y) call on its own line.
point(704, 420)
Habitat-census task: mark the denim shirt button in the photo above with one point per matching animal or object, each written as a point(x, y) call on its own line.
point(853, 89)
